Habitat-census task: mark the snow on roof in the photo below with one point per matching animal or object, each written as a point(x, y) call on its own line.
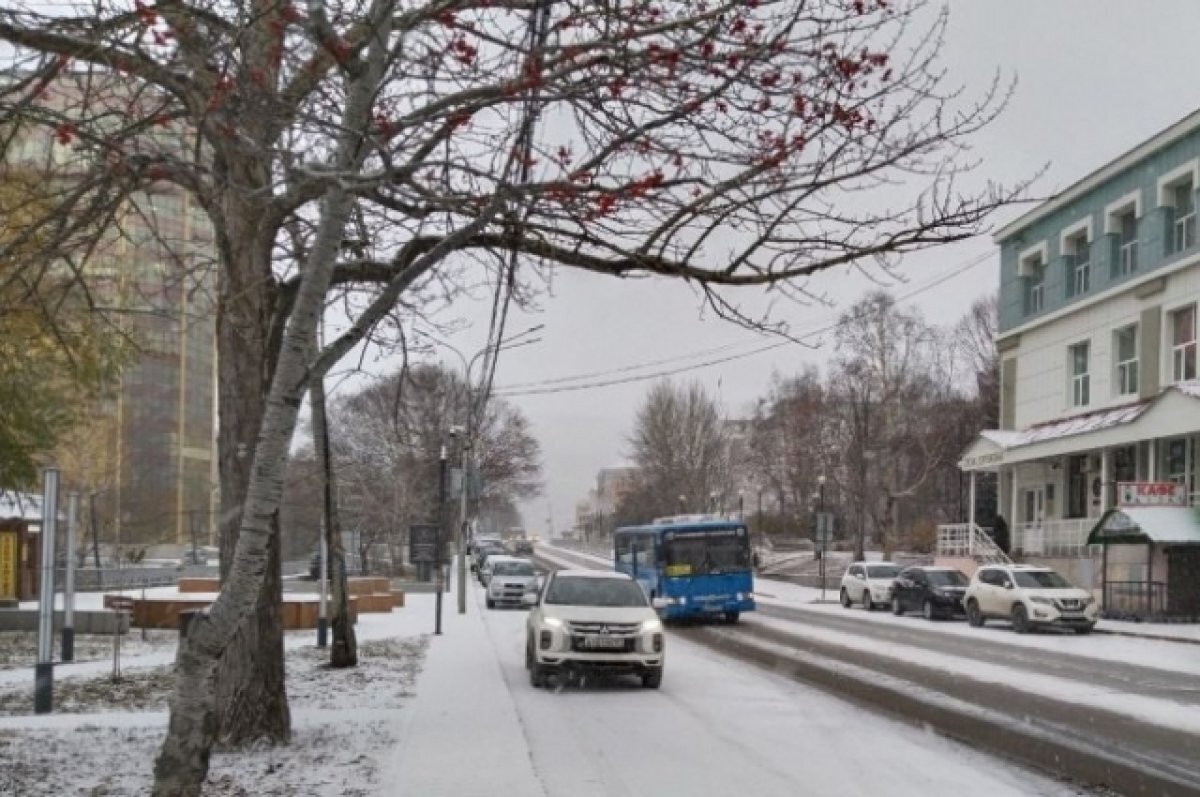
point(1160, 524)
point(1092, 422)
point(20, 506)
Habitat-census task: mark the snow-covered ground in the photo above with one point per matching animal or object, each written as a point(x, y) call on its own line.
point(716, 727)
point(103, 737)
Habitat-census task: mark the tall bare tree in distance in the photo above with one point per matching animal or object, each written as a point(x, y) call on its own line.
point(680, 450)
point(386, 155)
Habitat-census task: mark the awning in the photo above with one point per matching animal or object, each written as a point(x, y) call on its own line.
point(1171, 413)
point(1133, 525)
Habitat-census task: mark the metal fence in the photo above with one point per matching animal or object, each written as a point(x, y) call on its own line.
point(1135, 599)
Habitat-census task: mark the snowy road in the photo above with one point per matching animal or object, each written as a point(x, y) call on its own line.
point(716, 727)
point(1123, 707)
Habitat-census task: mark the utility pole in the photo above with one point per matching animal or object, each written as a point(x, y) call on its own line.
point(462, 530)
point(68, 630)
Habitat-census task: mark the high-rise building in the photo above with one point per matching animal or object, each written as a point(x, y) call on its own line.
point(153, 271)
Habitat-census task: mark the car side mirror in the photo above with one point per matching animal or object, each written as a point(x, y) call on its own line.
point(1008, 585)
point(529, 599)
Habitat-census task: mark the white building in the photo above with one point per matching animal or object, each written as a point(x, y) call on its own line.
point(1098, 350)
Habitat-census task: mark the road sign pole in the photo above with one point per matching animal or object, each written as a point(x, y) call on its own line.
point(43, 683)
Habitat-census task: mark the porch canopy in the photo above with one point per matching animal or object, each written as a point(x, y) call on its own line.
point(1142, 525)
point(1175, 411)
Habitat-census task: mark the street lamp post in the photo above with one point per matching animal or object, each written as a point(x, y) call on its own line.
point(466, 431)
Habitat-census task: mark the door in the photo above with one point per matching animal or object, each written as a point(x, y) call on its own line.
point(1183, 580)
point(1034, 514)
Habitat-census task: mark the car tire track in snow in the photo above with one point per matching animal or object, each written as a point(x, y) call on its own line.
point(1078, 742)
point(1119, 676)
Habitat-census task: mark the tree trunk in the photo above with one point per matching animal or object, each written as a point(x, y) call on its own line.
point(344, 650)
point(182, 763)
point(251, 697)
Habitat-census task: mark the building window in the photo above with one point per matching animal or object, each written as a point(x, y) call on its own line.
point(1125, 355)
point(1079, 265)
point(1077, 486)
point(1183, 344)
point(1125, 244)
point(1079, 354)
point(1183, 218)
point(1031, 269)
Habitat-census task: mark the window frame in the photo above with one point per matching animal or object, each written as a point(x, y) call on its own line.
point(1080, 382)
point(1180, 351)
point(1123, 384)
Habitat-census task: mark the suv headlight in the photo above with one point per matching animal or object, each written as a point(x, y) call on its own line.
point(1041, 600)
point(651, 625)
point(552, 622)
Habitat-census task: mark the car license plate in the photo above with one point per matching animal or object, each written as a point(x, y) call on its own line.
point(605, 642)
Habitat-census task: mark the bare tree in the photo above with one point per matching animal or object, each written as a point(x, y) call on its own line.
point(790, 446)
point(680, 449)
point(387, 441)
point(891, 380)
point(388, 154)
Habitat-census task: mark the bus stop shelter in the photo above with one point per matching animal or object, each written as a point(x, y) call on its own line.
point(1164, 580)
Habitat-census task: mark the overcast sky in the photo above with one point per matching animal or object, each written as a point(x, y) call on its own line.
point(1094, 78)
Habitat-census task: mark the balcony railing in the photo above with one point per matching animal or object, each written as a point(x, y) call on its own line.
point(1053, 537)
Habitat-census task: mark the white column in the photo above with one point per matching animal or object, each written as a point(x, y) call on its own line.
point(1152, 476)
point(1105, 475)
point(971, 502)
point(1014, 524)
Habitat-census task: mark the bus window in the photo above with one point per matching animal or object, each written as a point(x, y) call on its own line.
point(705, 554)
point(622, 547)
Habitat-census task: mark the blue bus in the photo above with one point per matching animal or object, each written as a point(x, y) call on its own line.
point(691, 567)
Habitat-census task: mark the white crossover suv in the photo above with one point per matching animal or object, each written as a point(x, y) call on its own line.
point(593, 621)
point(868, 583)
point(508, 579)
point(1031, 597)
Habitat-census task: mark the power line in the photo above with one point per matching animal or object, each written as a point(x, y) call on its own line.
point(556, 385)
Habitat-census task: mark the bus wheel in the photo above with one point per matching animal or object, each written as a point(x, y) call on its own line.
point(731, 617)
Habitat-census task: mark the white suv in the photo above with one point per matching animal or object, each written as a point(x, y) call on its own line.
point(868, 583)
point(593, 621)
point(1030, 597)
point(508, 579)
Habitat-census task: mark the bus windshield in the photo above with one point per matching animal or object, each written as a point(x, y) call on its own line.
point(707, 554)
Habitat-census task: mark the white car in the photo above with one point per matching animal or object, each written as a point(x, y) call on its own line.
point(1031, 597)
point(593, 621)
point(868, 583)
point(508, 579)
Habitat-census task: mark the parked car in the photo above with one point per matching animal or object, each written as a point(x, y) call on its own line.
point(482, 553)
point(868, 583)
point(593, 620)
point(522, 547)
point(1031, 597)
point(936, 592)
point(509, 578)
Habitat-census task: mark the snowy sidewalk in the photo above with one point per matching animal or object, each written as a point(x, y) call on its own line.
point(461, 736)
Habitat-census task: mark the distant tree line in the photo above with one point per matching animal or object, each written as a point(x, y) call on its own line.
point(874, 440)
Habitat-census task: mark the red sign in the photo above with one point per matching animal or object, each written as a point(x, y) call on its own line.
point(1151, 494)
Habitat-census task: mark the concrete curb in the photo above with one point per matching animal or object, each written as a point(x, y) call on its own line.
point(1155, 637)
